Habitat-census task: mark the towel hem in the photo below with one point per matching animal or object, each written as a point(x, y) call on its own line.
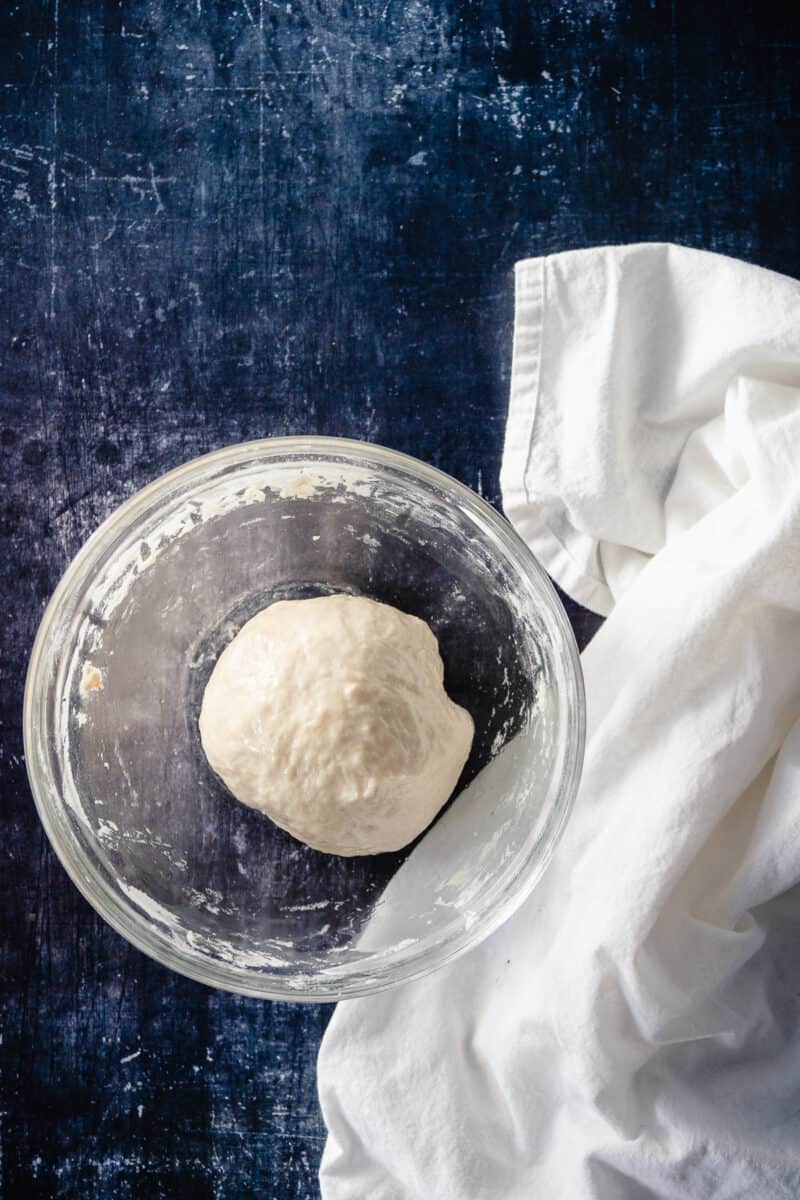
point(526, 364)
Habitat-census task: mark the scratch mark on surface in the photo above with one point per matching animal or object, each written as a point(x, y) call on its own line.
point(154, 186)
point(101, 241)
point(52, 184)
point(261, 107)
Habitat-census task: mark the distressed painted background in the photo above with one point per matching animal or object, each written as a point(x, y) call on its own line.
point(229, 218)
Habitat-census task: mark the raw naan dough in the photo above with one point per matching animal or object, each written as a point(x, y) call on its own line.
point(330, 716)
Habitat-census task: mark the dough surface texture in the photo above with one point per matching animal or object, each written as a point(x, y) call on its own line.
point(330, 716)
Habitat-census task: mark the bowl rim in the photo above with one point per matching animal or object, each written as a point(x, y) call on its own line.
point(404, 966)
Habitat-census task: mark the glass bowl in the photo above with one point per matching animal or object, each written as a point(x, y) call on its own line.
point(148, 832)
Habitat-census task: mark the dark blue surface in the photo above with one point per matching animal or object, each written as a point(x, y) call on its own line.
point(222, 220)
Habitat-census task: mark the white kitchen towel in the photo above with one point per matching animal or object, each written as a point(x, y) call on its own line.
point(633, 1032)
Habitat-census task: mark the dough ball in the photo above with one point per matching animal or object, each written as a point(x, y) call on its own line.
point(330, 716)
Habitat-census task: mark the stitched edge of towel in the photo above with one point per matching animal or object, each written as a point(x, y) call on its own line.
point(529, 312)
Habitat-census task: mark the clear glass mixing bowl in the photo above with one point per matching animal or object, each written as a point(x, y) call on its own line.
point(151, 836)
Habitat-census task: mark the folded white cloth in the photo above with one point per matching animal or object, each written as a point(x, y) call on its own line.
point(634, 1031)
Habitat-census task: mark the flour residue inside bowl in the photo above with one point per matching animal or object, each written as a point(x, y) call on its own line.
point(302, 486)
point(91, 679)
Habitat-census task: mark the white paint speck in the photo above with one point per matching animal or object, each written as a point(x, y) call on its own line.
point(319, 904)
